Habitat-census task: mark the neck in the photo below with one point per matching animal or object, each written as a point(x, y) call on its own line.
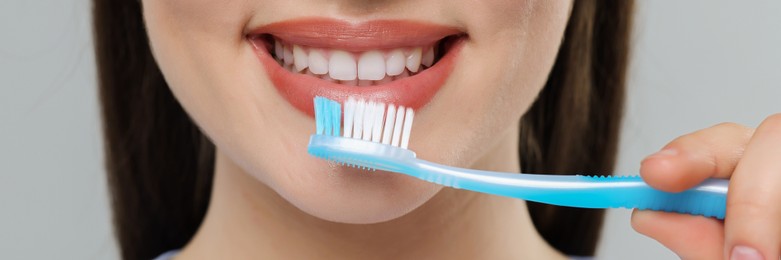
point(246, 219)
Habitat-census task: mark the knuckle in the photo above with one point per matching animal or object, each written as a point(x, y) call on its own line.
point(776, 116)
point(712, 134)
point(748, 207)
point(730, 127)
point(742, 132)
point(691, 140)
point(774, 119)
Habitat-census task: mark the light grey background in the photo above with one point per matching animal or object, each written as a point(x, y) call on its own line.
point(696, 63)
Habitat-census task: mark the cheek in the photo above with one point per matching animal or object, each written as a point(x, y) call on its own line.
point(213, 73)
point(519, 46)
point(512, 48)
point(199, 47)
point(194, 34)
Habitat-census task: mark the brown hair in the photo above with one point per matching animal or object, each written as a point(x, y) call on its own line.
point(573, 126)
point(160, 166)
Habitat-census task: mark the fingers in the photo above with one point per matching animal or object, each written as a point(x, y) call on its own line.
point(752, 161)
point(753, 218)
point(690, 237)
point(692, 158)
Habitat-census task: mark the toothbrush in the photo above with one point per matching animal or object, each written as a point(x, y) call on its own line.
point(376, 137)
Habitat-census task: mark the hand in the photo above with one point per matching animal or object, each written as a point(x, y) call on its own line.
point(751, 159)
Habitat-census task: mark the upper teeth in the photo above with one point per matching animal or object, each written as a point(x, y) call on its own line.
point(374, 65)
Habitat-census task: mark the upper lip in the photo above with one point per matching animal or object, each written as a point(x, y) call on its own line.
point(356, 37)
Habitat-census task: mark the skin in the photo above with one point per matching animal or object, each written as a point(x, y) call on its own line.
point(271, 200)
point(270, 197)
point(749, 158)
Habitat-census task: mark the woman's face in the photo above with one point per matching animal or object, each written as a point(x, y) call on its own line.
point(469, 68)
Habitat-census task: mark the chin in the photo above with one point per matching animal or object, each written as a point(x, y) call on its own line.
point(352, 196)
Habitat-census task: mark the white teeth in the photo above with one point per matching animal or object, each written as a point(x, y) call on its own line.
point(395, 63)
point(299, 58)
point(279, 51)
point(342, 66)
point(413, 60)
point(318, 64)
point(428, 58)
point(371, 66)
point(288, 56)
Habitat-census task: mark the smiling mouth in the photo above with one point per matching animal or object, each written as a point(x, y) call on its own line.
point(399, 62)
point(366, 68)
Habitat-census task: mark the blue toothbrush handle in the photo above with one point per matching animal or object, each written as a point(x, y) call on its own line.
point(709, 198)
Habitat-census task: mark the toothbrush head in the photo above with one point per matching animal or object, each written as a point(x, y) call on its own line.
point(365, 120)
point(375, 135)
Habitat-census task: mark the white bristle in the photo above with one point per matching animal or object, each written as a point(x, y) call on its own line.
point(397, 126)
point(407, 128)
point(368, 121)
point(389, 120)
point(349, 110)
point(377, 122)
point(358, 122)
point(379, 115)
point(319, 127)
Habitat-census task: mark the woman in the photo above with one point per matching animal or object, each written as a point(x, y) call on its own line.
point(207, 113)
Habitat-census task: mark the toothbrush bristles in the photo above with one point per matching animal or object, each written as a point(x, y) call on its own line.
point(389, 121)
point(367, 120)
point(397, 127)
point(348, 117)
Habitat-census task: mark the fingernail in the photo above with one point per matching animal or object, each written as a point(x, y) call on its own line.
point(666, 152)
point(745, 253)
point(663, 153)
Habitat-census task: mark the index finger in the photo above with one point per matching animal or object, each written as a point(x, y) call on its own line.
point(690, 159)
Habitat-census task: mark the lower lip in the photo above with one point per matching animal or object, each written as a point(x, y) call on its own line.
point(415, 91)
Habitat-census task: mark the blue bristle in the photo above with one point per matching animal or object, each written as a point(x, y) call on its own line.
point(319, 124)
point(336, 116)
point(328, 116)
